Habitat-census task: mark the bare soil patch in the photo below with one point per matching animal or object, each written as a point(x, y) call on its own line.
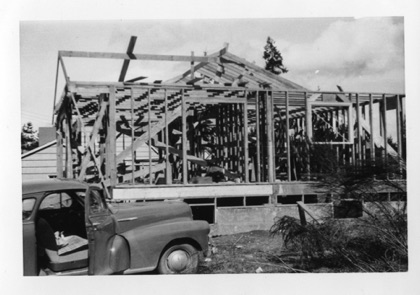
point(251, 252)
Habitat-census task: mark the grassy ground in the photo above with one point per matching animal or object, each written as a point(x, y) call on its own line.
point(252, 252)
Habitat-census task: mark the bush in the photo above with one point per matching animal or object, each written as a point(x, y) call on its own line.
point(376, 241)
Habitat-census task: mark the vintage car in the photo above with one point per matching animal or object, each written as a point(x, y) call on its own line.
point(70, 229)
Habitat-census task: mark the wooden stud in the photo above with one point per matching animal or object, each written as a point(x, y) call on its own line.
point(192, 66)
point(69, 158)
point(308, 118)
point(372, 135)
point(257, 129)
point(385, 128)
point(269, 125)
point(111, 139)
point(399, 124)
point(59, 152)
point(55, 90)
point(289, 171)
point(126, 62)
point(63, 67)
point(149, 127)
point(168, 175)
point(246, 145)
point(184, 140)
point(133, 138)
point(359, 131)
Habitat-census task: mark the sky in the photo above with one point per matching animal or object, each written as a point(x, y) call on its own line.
point(359, 54)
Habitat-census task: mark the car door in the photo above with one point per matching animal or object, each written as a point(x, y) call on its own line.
point(30, 267)
point(101, 228)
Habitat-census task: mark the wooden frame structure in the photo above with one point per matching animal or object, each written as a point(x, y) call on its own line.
point(223, 112)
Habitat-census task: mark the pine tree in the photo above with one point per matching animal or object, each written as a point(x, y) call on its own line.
point(28, 137)
point(273, 58)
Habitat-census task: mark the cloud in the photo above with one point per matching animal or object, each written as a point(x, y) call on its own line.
point(348, 51)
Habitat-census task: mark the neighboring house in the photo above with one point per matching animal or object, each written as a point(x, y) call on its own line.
point(41, 163)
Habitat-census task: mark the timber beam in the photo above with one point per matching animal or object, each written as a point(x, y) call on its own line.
point(136, 56)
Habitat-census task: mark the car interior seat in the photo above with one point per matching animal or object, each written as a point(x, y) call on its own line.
point(46, 240)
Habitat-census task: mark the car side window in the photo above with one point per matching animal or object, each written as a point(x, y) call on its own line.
point(96, 202)
point(56, 201)
point(27, 207)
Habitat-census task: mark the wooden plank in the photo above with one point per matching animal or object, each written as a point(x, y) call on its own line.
point(306, 209)
point(214, 100)
point(39, 170)
point(289, 168)
point(399, 124)
point(308, 118)
point(246, 144)
point(133, 137)
point(269, 122)
point(142, 172)
point(257, 129)
point(192, 65)
point(359, 129)
point(126, 62)
point(184, 140)
point(135, 56)
point(63, 67)
point(59, 154)
point(192, 191)
point(385, 135)
point(149, 131)
point(372, 134)
point(111, 139)
point(168, 171)
point(55, 90)
point(40, 163)
point(172, 150)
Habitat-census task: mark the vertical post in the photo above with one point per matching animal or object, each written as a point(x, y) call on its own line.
point(55, 90)
point(257, 129)
point(308, 117)
point(192, 65)
point(69, 158)
point(150, 135)
point(359, 131)
point(372, 136)
point(289, 170)
point(59, 137)
point(269, 125)
point(168, 175)
point(184, 141)
point(308, 126)
point(111, 139)
point(246, 153)
point(399, 129)
point(133, 159)
point(385, 129)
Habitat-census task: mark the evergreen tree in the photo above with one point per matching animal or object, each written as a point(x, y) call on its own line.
point(28, 138)
point(273, 58)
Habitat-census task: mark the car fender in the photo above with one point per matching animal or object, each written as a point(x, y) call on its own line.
point(147, 243)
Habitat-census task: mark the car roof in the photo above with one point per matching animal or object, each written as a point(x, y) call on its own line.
point(35, 186)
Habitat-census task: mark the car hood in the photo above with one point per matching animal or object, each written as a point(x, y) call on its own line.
point(131, 215)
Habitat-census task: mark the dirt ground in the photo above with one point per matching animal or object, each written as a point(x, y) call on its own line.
point(251, 252)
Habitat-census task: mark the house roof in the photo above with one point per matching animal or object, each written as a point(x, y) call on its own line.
point(236, 70)
point(38, 149)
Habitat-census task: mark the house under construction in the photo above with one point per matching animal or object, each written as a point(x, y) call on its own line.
point(225, 134)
